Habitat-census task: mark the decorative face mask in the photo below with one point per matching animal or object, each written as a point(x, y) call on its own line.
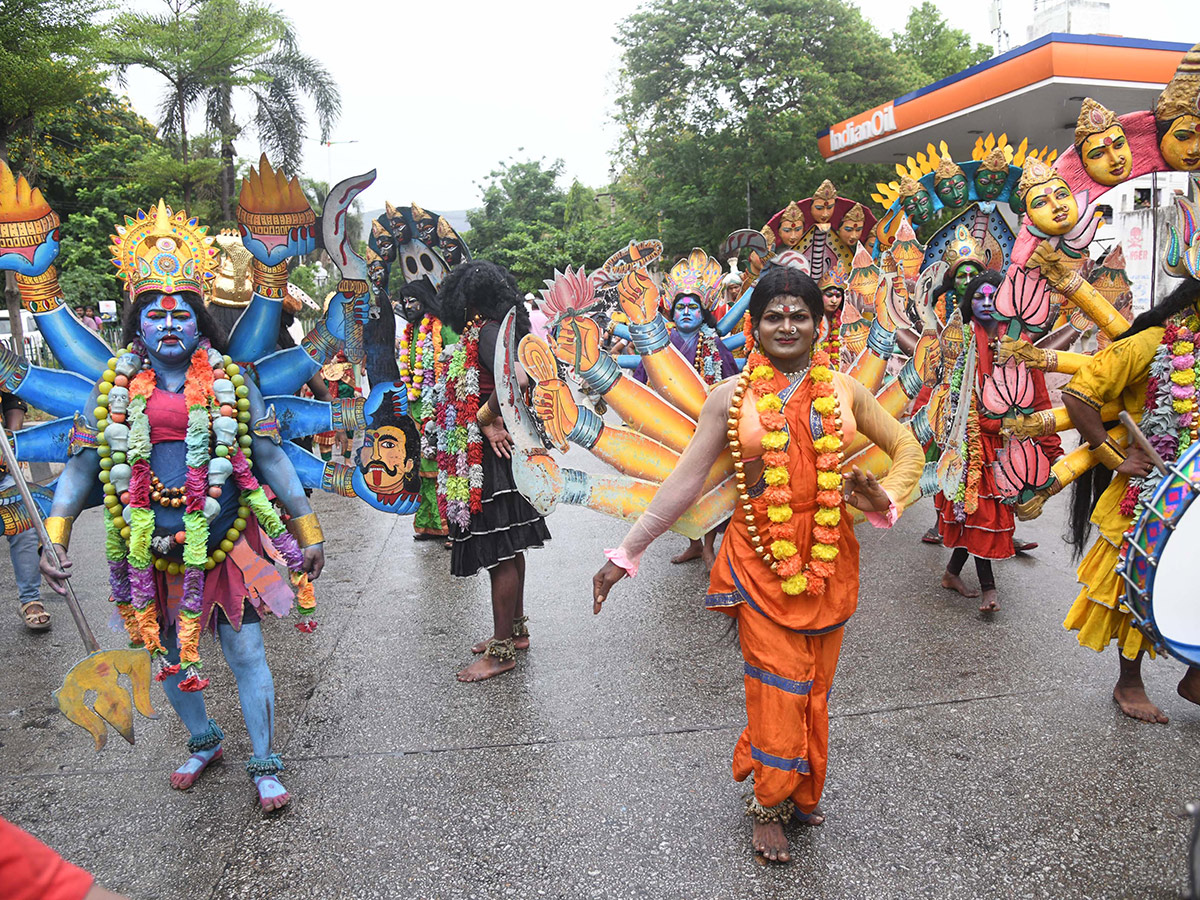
point(1106, 156)
point(686, 313)
point(822, 209)
point(169, 329)
point(1051, 207)
point(952, 191)
point(850, 233)
point(383, 459)
point(918, 207)
point(1180, 146)
point(790, 232)
point(378, 274)
point(989, 183)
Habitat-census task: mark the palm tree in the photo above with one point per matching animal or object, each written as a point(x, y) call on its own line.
point(209, 51)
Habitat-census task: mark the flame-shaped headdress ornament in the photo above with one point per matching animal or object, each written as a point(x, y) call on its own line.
point(698, 275)
point(164, 251)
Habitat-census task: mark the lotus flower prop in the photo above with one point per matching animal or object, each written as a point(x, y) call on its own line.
point(1022, 469)
point(1007, 389)
point(1024, 301)
point(570, 293)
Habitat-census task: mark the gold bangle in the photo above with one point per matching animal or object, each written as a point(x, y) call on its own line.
point(59, 529)
point(1109, 454)
point(485, 416)
point(270, 281)
point(306, 530)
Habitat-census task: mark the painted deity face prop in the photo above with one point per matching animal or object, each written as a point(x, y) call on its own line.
point(785, 331)
point(950, 184)
point(1051, 207)
point(384, 460)
point(989, 184)
point(1180, 146)
point(851, 232)
point(832, 297)
point(169, 329)
point(983, 303)
point(384, 241)
point(823, 201)
point(915, 201)
point(1106, 156)
point(686, 313)
point(791, 226)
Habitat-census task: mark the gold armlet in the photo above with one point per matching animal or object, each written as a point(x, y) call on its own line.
point(59, 529)
point(270, 281)
point(485, 416)
point(306, 530)
point(1109, 454)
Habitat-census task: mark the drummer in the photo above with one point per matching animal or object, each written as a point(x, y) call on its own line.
point(1160, 343)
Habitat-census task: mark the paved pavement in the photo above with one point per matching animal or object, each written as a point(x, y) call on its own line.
point(970, 757)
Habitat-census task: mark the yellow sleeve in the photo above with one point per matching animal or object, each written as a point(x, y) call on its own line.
point(894, 439)
point(1121, 363)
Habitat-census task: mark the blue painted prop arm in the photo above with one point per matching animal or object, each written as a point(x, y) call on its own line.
point(285, 371)
point(256, 333)
point(730, 320)
point(270, 459)
point(734, 341)
point(299, 417)
point(76, 347)
point(54, 391)
point(318, 475)
point(48, 441)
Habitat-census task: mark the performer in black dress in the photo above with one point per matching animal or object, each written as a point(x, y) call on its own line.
point(491, 524)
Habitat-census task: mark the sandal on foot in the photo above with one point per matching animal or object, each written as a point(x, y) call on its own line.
point(195, 776)
point(270, 804)
point(35, 616)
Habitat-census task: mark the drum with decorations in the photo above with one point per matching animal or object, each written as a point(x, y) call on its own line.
point(1160, 562)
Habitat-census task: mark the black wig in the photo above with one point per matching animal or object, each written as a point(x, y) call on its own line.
point(779, 281)
point(482, 288)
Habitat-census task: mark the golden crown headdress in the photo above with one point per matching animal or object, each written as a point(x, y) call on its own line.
point(909, 186)
point(769, 237)
point(419, 214)
point(826, 191)
point(1181, 96)
point(995, 161)
point(371, 256)
point(445, 229)
point(164, 251)
point(1094, 118)
point(963, 249)
point(833, 277)
point(946, 169)
point(856, 213)
point(377, 229)
point(792, 213)
point(1033, 173)
point(699, 275)
point(232, 285)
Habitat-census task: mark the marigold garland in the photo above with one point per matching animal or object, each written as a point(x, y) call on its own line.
point(781, 553)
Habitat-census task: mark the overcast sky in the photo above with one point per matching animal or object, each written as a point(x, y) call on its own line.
point(436, 93)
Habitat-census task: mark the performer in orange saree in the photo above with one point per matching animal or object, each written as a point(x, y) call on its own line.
point(787, 571)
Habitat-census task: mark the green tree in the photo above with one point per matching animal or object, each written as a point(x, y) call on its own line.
point(528, 224)
point(211, 52)
point(937, 49)
point(721, 102)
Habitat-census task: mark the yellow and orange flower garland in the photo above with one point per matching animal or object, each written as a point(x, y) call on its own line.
point(782, 554)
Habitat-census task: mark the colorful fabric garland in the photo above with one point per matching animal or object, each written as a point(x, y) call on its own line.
point(459, 440)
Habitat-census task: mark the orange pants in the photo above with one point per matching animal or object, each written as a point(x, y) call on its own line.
point(786, 741)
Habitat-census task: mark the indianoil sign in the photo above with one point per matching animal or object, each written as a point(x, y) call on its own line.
point(864, 127)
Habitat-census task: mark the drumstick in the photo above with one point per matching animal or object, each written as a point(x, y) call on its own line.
point(1139, 438)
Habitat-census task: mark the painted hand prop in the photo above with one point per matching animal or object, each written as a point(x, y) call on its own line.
point(275, 219)
point(28, 227)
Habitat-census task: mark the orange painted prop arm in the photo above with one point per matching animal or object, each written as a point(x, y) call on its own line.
point(1069, 283)
point(1063, 472)
point(1052, 421)
point(625, 498)
point(672, 377)
point(578, 346)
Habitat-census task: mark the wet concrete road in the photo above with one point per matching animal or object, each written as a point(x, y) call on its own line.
point(970, 757)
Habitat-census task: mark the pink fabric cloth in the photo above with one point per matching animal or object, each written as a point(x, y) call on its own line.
point(619, 558)
point(168, 417)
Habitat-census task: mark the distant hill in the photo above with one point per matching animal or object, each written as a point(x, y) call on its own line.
point(456, 217)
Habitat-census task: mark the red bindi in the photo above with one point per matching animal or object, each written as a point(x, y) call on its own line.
point(168, 302)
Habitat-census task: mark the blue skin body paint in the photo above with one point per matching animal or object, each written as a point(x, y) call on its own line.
point(170, 330)
point(983, 305)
